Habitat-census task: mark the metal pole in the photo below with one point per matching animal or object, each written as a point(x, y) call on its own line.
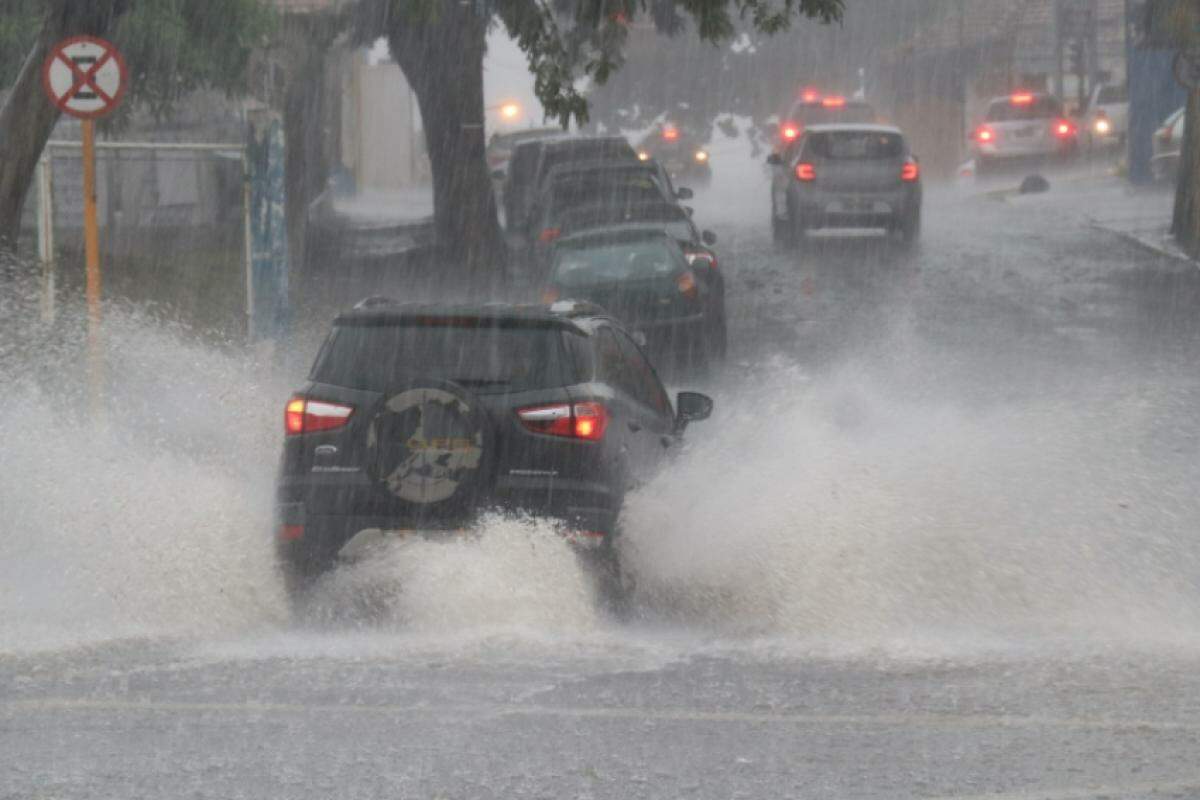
point(45, 239)
point(91, 243)
point(249, 244)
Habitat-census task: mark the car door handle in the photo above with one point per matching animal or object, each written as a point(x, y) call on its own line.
point(635, 426)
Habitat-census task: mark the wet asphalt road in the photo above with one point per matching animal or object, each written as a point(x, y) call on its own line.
point(981, 582)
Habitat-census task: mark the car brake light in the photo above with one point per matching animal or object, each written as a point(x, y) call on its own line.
point(549, 234)
point(810, 96)
point(806, 172)
point(291, 533)
point(670, 134)
point(833, 102)
point(1063, 129)
point(790, 131)
point(686, 283)
point(984, 134)
point(586, 421)
point(309, 416)
point(550, 295)
point(1021, 99)
point(910, 171)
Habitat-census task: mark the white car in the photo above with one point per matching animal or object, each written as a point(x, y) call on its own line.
point(1106, 115)
point(1168, 143)
point(1023, 126)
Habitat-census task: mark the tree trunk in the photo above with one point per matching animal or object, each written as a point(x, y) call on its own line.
point(1185, 222)
point(442, 58)
point(28, 116)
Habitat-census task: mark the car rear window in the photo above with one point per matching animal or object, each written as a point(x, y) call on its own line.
point(586, 150)
point(671, 218)
point(483, 356)
point(809, 114)
point(853, 145)
point(1037, 108)
point(591, 262)
point(614, 188)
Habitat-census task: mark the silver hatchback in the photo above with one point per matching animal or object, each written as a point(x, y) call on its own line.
point(846, 176)
point(1023, 126)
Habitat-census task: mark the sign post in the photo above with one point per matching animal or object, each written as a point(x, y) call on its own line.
point(85, 77)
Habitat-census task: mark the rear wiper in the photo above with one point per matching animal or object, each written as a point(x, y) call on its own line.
point(481, 381)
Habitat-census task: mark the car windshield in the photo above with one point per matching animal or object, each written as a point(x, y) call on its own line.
point(608, 261)
point(483, 357)
point(853, 145)
point(1019, 109)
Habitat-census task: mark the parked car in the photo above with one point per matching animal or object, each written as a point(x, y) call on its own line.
point(643, 278)
point(1023, 126)
point(501, 145)
point(676, 223)
point(572, 185)
point(847, 176)
point(682, 155)
point(1106, 116)
point(532, 161)
point(416, 419)
point(1168, 144)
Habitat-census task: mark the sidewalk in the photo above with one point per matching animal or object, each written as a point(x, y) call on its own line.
point(1141, 215)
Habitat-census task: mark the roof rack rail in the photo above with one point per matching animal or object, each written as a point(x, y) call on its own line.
point(375, 301)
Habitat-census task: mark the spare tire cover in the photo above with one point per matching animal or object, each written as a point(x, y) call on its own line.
point(427, 444)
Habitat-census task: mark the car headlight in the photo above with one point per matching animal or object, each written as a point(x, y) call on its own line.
point(1102, 126)
point(643, 155)
point(701, 156)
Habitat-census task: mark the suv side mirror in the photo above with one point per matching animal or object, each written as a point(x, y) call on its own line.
point(683, 193)
point(774, 160)
point(709, 238)
point(692, 407)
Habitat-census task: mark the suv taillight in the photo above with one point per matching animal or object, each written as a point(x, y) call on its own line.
point(310, 416)
point(586, 421)
point(1063, 129)
point(806, 172)
point(910, 171)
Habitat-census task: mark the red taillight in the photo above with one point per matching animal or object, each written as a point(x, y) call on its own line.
point(910, 171)
point(806, 172)
point(549, 234)
point(984, 134)
point(790, 131)
point(291, 533)
point(686, 283)
point(310, 416)
point(670, 134)
point(550, 295)
point(810, 96)
point(586, 421)
point(833, 102)
point(1063, 129)
point(1021, 99)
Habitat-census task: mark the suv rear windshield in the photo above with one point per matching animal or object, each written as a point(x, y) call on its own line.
point(591, 262)
point(484, 356)
point(615, 188)
point(854, 145)
point(1040, 107)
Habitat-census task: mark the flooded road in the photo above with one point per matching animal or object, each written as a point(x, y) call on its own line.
point(939, 540)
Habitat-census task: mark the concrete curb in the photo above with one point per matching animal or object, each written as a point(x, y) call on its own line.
point(1150, 245)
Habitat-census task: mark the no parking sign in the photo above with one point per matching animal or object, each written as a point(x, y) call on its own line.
point(84, 76)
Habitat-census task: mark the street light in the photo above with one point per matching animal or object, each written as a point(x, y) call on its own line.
point(510, 110)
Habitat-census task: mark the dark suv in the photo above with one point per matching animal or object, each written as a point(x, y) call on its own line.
point(418, 418)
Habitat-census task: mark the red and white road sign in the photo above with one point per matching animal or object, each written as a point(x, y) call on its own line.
point(84, 76)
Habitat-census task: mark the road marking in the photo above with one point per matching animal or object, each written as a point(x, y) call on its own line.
point(950, 721)
point(1083, 793)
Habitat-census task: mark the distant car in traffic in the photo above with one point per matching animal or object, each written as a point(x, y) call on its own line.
point(416, 419)
point(812, 108)
point(501, 145)
point(1106, 116)
point(681, 154)
point(847, 176)
point(1168, 144)
point(1023, 126)
point(532, 161)
point(643, 278)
